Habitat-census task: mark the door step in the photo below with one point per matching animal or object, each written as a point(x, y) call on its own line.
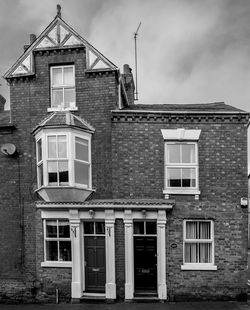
point(146, 299)
point(145, 294)
point(93, 297)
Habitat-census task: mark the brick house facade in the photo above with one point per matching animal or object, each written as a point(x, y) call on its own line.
point(111, 199)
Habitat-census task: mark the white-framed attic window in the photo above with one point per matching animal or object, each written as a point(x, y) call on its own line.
point(62, 86)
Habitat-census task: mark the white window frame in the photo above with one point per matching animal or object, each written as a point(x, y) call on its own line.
point(40, 176)
point(199, 266)
point(56, 159)
point(195, 166)
point(63, 87)
point(70, 138)
point(58, 263)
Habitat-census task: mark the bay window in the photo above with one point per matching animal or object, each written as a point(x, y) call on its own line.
point(64, 159)
point(198, 244)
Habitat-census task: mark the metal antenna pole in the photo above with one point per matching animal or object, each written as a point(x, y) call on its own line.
point(136, 82)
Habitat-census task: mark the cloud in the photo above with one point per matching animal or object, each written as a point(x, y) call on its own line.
point(188, 50)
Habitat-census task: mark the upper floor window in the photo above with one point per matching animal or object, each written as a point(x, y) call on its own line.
point(64, 159)
point(62, 87)
point(181, 165)
point(181, 161)
point(198, 244)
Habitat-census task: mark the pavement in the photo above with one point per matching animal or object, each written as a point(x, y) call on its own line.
point(213, 305)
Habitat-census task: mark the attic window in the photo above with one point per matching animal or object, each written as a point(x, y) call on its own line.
point(62, 79)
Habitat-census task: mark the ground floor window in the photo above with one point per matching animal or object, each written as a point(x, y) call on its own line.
point(57, 243)
point(198, 242)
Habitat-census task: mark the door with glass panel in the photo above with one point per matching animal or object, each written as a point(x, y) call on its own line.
point(94, 254)
point(145, 257)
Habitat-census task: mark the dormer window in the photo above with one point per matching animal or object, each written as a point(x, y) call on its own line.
point(62, 80)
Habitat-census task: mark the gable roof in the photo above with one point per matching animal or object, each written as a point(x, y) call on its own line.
point(215, 107)
point(64, 119)
point(58, 35)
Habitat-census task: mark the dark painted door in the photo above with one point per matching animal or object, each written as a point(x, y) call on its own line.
point(145, 263)
point(95, 273)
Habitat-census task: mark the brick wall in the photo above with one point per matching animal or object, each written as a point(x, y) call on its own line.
point(96, 95)
point(138, 172)
point(120, 258)
point(138, 159)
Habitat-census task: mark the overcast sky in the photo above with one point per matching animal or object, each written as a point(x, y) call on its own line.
point(189, 51)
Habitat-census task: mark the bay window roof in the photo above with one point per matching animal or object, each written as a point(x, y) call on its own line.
point(61, 119)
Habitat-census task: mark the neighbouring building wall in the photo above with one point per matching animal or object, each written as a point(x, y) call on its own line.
point(138, 172)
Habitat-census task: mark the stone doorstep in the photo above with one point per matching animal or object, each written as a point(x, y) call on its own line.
point(146, 299)
point(94, 298)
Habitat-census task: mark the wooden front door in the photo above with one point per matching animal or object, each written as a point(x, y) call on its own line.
point(95, 262)
point(145, 264)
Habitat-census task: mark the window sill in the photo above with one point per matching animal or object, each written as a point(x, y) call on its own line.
point(60, 109)
point(181, 191)
point(57, 264)
point(198, 267)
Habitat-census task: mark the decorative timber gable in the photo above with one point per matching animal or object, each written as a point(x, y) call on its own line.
point(58, 35)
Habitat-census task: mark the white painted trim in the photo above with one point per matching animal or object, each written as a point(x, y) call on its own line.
point(110, 286)
point(198, 267)
point(181, 191)
point(129, 255)
point(56, 264)
point(76, 235)
point(161, 255)
point(60, 109)
point(181, 134)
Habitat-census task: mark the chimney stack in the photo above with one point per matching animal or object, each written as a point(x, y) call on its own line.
point(32, 40)
point(128, 83)
point(2, 102)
